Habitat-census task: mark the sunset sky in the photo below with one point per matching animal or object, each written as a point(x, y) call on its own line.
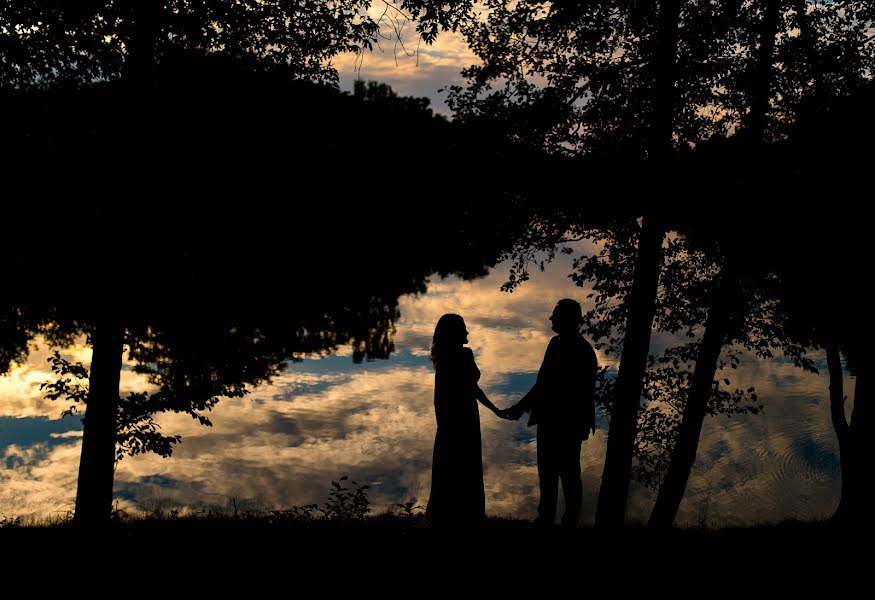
point(324, 417)
point(429, 69)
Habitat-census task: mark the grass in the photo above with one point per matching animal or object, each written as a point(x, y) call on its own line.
point(250, 550)
point(387, 555)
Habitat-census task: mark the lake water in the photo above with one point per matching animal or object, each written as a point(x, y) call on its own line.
point(324, 418)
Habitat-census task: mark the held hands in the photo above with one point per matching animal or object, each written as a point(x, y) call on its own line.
point(507, 413)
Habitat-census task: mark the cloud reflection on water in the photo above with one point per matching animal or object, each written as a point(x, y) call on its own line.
point(325, 418)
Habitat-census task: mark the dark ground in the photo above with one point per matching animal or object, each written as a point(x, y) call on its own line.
point(227, 558)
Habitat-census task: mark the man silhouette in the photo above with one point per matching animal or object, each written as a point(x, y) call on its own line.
point(562, 406)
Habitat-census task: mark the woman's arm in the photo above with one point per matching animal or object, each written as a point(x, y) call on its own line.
point(478, 393)
point(481, 397)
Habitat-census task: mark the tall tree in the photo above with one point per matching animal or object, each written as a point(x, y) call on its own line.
point(825, 291)
point(47, 44)
point(722, 303)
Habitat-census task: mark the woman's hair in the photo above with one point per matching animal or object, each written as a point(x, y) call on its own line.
point(448, 334)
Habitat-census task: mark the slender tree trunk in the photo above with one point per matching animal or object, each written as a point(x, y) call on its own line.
point(684, 453)
point(811, 69)
point(664, 80)
point(617, 472)
point(853, 508)
point(140, 45)
point(97, 463)
point(762, 79)
point(840, 424)
point(806, 36)
point(862, 428)
point(683, 458)
point(614, 491)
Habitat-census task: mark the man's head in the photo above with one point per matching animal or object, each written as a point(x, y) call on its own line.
point(566, 316)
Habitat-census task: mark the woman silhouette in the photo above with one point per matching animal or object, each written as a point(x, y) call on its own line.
point(457, 466)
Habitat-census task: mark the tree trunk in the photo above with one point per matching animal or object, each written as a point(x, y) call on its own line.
point(762, 79)
point(614, 491)
point(861, 427)
point(630, 378)
point(811, 69)
point(853, 508)
point(674, 485)
point(664, 78)
point(840, 424)
point(671, 492)
point(141, 42)
point(97, 463)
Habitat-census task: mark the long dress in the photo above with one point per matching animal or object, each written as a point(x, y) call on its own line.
point(457, 495)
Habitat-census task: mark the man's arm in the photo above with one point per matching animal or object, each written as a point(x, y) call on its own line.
point(529, 401)
point(525, 404)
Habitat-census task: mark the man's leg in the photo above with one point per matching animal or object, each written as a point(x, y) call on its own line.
point(548, 479)
point(572, 488)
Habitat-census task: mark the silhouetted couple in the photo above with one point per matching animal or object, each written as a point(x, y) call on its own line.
point(561, 405)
